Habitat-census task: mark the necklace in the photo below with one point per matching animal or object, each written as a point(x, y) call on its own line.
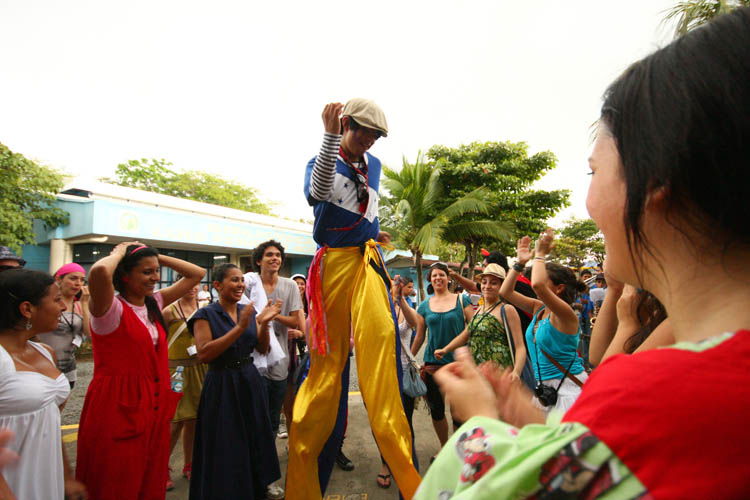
point(72, 311)
point(486, 307)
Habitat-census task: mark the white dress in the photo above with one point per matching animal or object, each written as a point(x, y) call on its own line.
point(29, 404)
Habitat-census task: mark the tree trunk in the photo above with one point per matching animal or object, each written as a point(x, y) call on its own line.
point(467, 257)
point(472, 260)
point(420, 277)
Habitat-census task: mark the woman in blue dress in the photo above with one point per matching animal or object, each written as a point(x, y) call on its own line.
point(235, 453)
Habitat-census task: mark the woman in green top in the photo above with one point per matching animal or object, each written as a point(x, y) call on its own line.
point(488, 333)
point(441, 317)
point(182, 353)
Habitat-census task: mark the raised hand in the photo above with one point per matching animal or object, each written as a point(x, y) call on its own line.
point(332, 117)
point(85, 295)
point(523, 250)
point(627, 307)
point(121, 248)
point(613, 284)
point(546, 242)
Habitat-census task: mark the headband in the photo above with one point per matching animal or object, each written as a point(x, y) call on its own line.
point(138, 248)
point(70, 268)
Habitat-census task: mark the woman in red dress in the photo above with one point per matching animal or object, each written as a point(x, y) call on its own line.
point(123, 438)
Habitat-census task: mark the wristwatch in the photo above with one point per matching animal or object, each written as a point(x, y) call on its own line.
point(518, 267)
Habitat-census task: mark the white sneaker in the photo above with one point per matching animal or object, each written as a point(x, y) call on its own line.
point(283, 434)
point(275, 492)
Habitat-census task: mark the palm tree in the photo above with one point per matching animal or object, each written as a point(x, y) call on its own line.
point(409, 210)
point(693, 13)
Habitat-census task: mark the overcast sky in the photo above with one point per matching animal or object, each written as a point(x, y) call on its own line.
point(236, 87)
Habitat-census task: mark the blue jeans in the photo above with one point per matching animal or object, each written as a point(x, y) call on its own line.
point(276, 389)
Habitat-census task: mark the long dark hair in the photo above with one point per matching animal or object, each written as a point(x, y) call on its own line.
point(561, 275)
point(679, 118)
point(17, 286)
point(133, 255)
point(436, 265)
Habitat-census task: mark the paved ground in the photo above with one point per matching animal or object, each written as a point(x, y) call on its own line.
point(359, 446)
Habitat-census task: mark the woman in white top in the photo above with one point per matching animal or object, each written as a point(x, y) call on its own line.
point(32, 389)
point(401, 287)
point(73, 324)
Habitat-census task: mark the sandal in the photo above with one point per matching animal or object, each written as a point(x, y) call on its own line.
point(386, 481)
point(187, 471)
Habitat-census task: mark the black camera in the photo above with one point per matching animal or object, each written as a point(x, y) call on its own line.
point(545, 394)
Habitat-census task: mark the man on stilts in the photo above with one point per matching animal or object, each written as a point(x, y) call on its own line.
point(348, 294)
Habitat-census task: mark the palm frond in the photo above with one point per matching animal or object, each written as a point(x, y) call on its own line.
point(472, 230)
point(428, 236)
point(470, 203)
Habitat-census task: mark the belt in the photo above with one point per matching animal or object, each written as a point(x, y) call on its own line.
point(232, 364)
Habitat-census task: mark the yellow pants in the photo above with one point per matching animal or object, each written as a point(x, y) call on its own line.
point(356, 300)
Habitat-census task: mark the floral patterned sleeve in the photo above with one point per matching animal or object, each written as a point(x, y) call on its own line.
point(490, 459)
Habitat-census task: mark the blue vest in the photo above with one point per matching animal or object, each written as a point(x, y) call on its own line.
point(341, 209)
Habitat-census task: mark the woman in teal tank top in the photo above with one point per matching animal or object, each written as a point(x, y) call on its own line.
point(554, 331)
point(441, 318)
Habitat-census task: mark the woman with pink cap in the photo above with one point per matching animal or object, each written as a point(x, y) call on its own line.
point(73, 323)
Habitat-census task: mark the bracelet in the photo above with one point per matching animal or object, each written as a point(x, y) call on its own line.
point(518, 267)
point(540, 257)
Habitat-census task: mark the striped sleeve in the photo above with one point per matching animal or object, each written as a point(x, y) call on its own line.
point(324, 170)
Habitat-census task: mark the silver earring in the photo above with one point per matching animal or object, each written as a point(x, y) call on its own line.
point(28, 324)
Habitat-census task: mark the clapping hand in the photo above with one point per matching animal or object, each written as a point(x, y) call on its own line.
point(468, 392)
point(245, 315)
point(272, 309)
point(513, 400)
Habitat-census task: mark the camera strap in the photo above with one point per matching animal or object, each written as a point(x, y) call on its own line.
point(533, 334)
point(566, 373)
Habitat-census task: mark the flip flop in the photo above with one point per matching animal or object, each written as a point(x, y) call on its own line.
point(386, 481)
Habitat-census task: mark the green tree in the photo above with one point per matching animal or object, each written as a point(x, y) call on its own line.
point(506, 171)
point(690, 14)
point(27, 192)
point(158, 176)
point(578, 241)
point(409, 210)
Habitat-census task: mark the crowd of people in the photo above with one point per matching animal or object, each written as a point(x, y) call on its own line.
point(629, 382)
